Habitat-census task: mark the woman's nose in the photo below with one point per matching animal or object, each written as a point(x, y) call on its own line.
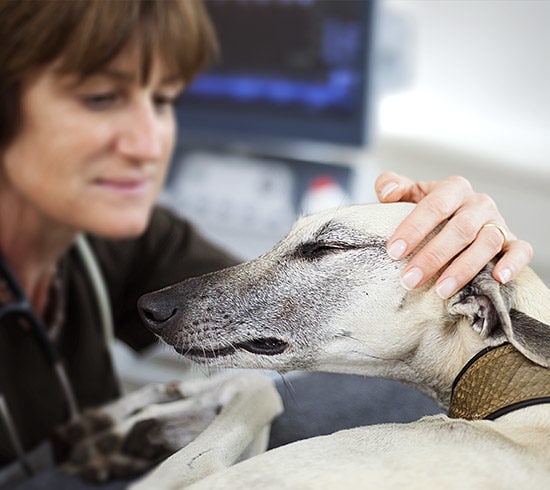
point(142, 134)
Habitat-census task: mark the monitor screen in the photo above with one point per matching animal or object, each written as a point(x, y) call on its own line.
point(289, 70)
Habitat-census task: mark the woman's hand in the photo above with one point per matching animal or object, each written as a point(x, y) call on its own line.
point(474, 234)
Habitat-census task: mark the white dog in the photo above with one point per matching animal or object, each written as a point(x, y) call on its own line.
point(328, 298)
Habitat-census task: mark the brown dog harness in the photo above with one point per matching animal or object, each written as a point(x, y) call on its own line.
point(498, 380)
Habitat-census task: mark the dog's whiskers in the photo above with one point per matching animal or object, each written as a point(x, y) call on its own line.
point(351, 337)
point(289, 388)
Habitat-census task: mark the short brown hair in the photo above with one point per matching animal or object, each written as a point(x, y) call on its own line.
point(85, 35)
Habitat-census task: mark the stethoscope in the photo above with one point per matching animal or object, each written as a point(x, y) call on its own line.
point(22, 307)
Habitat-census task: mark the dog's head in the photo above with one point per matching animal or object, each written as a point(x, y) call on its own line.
point(328, 297)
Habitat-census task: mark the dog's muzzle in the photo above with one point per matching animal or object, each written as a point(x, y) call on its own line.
point(162, 316)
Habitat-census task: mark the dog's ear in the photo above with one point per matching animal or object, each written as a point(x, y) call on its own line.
point(531, 337)
point(486, 303)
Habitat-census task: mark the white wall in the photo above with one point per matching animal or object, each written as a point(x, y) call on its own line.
point(477, 104)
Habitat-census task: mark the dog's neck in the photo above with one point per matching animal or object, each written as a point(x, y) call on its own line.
point(497, 381)
point(443, 352)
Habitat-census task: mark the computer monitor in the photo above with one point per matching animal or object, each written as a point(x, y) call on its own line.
point(289, 71)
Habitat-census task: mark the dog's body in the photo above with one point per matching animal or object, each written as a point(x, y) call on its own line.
point(328, 298)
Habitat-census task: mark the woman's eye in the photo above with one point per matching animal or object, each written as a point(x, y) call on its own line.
point(101, 101)
point(166, 101)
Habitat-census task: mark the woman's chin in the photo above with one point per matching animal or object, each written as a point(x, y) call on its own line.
point(122, 226)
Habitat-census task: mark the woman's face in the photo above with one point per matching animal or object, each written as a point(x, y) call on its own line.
point(92, 155)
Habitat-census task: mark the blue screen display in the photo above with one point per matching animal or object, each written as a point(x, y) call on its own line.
point(289, 70)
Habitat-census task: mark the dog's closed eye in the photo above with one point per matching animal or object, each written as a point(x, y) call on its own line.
point(316, 250)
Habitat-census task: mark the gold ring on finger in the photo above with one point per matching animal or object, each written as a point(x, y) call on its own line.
point(500, 228)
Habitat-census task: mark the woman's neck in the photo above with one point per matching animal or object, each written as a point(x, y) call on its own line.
point(32, 246)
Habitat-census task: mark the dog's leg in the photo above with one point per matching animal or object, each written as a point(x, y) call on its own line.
point(93, 421)
point(240, 430)
point(129, 438)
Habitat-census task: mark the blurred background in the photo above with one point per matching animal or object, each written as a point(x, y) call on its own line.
point(311, 99)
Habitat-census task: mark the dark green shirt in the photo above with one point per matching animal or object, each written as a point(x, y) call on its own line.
point(169, 251)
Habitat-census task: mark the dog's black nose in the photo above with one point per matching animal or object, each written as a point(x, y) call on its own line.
point(156, 314)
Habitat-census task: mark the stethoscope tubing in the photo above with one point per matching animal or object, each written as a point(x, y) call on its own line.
point(23, 308)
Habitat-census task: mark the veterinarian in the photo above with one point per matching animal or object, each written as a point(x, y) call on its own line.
point(87, 129)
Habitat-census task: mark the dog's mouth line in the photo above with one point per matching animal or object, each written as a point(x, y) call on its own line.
point(267, 346)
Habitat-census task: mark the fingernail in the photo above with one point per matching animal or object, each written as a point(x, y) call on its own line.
point(411, 279)
point(446, 288)
point(397, 249)
point(388, 188)
point(504, 275)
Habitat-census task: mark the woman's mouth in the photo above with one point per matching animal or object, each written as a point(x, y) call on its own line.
point(129, 187)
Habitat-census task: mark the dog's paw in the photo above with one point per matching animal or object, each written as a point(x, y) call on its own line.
point(91, 422)
point(109, 454)
point(99, 446)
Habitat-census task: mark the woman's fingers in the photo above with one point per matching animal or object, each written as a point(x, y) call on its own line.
point(442, 200)
point(391, 187)
point(516, 255)
point(473, 233)
point(463, 268)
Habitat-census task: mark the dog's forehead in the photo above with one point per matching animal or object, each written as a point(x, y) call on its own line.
point(367, 219)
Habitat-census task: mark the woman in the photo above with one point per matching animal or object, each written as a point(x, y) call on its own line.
point(86, 133)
